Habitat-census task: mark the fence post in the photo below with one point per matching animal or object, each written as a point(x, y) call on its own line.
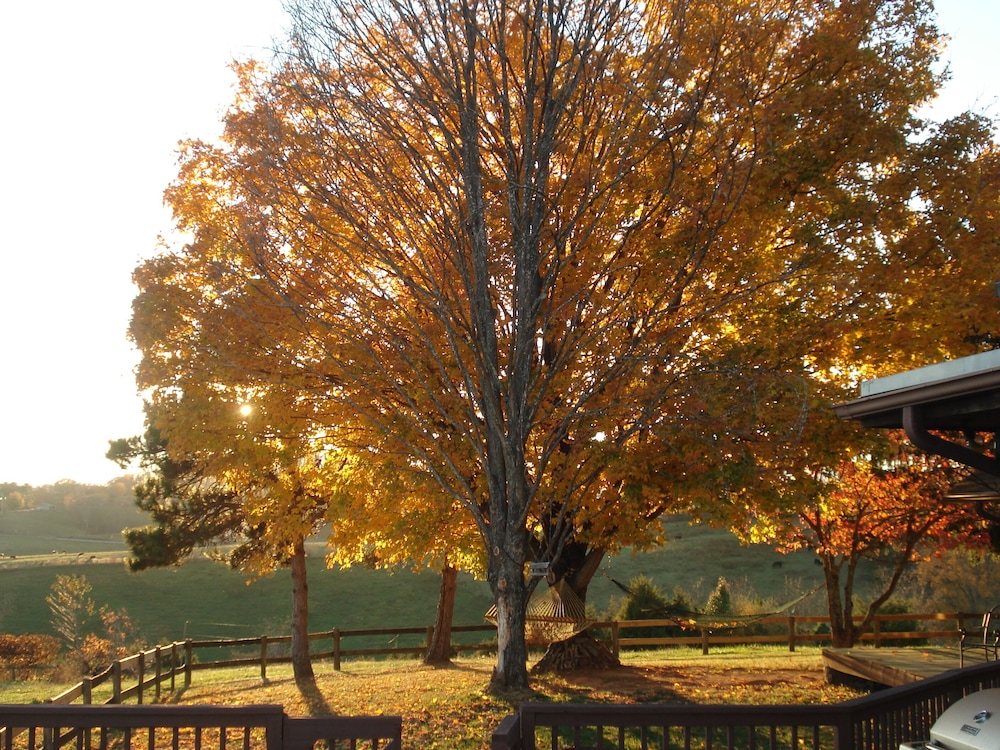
point(336, 649)
point(88, 689)
point(263, 658)
point(188, 658)
point(616, 645)
point(791, 633)
point(116, 682)
point(173, 666)
point(158, 656)
point(704, 642)
point(141, 671)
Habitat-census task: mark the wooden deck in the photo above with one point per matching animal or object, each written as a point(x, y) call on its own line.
point(894, 666)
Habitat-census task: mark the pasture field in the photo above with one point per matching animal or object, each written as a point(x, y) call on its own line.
point(204, 600)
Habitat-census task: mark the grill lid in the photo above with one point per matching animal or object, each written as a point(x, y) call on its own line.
point(973, 723)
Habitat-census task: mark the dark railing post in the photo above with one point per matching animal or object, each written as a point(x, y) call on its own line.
point(507, 736)
point(844, 733)
point(336, 649)
point(704, 642)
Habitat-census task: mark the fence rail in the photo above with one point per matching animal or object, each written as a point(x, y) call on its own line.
point(788, 629)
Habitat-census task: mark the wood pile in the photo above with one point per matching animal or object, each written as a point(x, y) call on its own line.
point(579, 652)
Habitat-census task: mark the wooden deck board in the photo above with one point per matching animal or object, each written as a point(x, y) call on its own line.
point(895, 666)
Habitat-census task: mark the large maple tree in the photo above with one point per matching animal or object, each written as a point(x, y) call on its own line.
point(575, 262)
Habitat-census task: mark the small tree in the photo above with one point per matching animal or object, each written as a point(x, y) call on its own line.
point(94, 635)
point(73, 611)
point(720, 601)
point(195, 501)
point(22, 653)
point(886, 508)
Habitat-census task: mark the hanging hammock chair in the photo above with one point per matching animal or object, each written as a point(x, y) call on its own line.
point(556, 615)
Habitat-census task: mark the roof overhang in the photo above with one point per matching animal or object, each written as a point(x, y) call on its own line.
point(962, 395)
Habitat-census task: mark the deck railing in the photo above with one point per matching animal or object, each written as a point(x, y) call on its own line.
point(264, 727)
point(881, 721)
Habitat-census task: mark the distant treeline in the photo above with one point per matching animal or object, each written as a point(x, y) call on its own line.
point(89, 507)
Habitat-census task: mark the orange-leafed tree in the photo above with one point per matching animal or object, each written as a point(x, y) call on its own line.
point(888, 509)
point(577, 262)
point(228, 459)
point(386, 514)
point(261, 511)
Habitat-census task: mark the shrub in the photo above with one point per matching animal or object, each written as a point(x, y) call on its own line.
point(960, 580)
point(647, 602)
point(899, 626)
point(22, 654)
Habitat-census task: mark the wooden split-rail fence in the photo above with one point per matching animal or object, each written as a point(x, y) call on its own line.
point(142, 676)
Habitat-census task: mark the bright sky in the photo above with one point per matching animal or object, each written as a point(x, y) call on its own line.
point(97, 95)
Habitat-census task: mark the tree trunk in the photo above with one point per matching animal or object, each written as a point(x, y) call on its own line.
point(511, 670)
point(841, 614)
point(301, 663)
point(439, 651)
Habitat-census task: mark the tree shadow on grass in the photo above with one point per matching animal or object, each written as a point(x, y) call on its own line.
point(313, 697)
point(622, 684)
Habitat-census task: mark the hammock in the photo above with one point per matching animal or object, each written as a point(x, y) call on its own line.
point(693, 620)
point(556, 615)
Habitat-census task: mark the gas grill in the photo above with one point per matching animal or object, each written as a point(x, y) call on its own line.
point(973, 723)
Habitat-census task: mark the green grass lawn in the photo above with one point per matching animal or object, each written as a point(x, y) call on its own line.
point(205, 600)
point(40, 532)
